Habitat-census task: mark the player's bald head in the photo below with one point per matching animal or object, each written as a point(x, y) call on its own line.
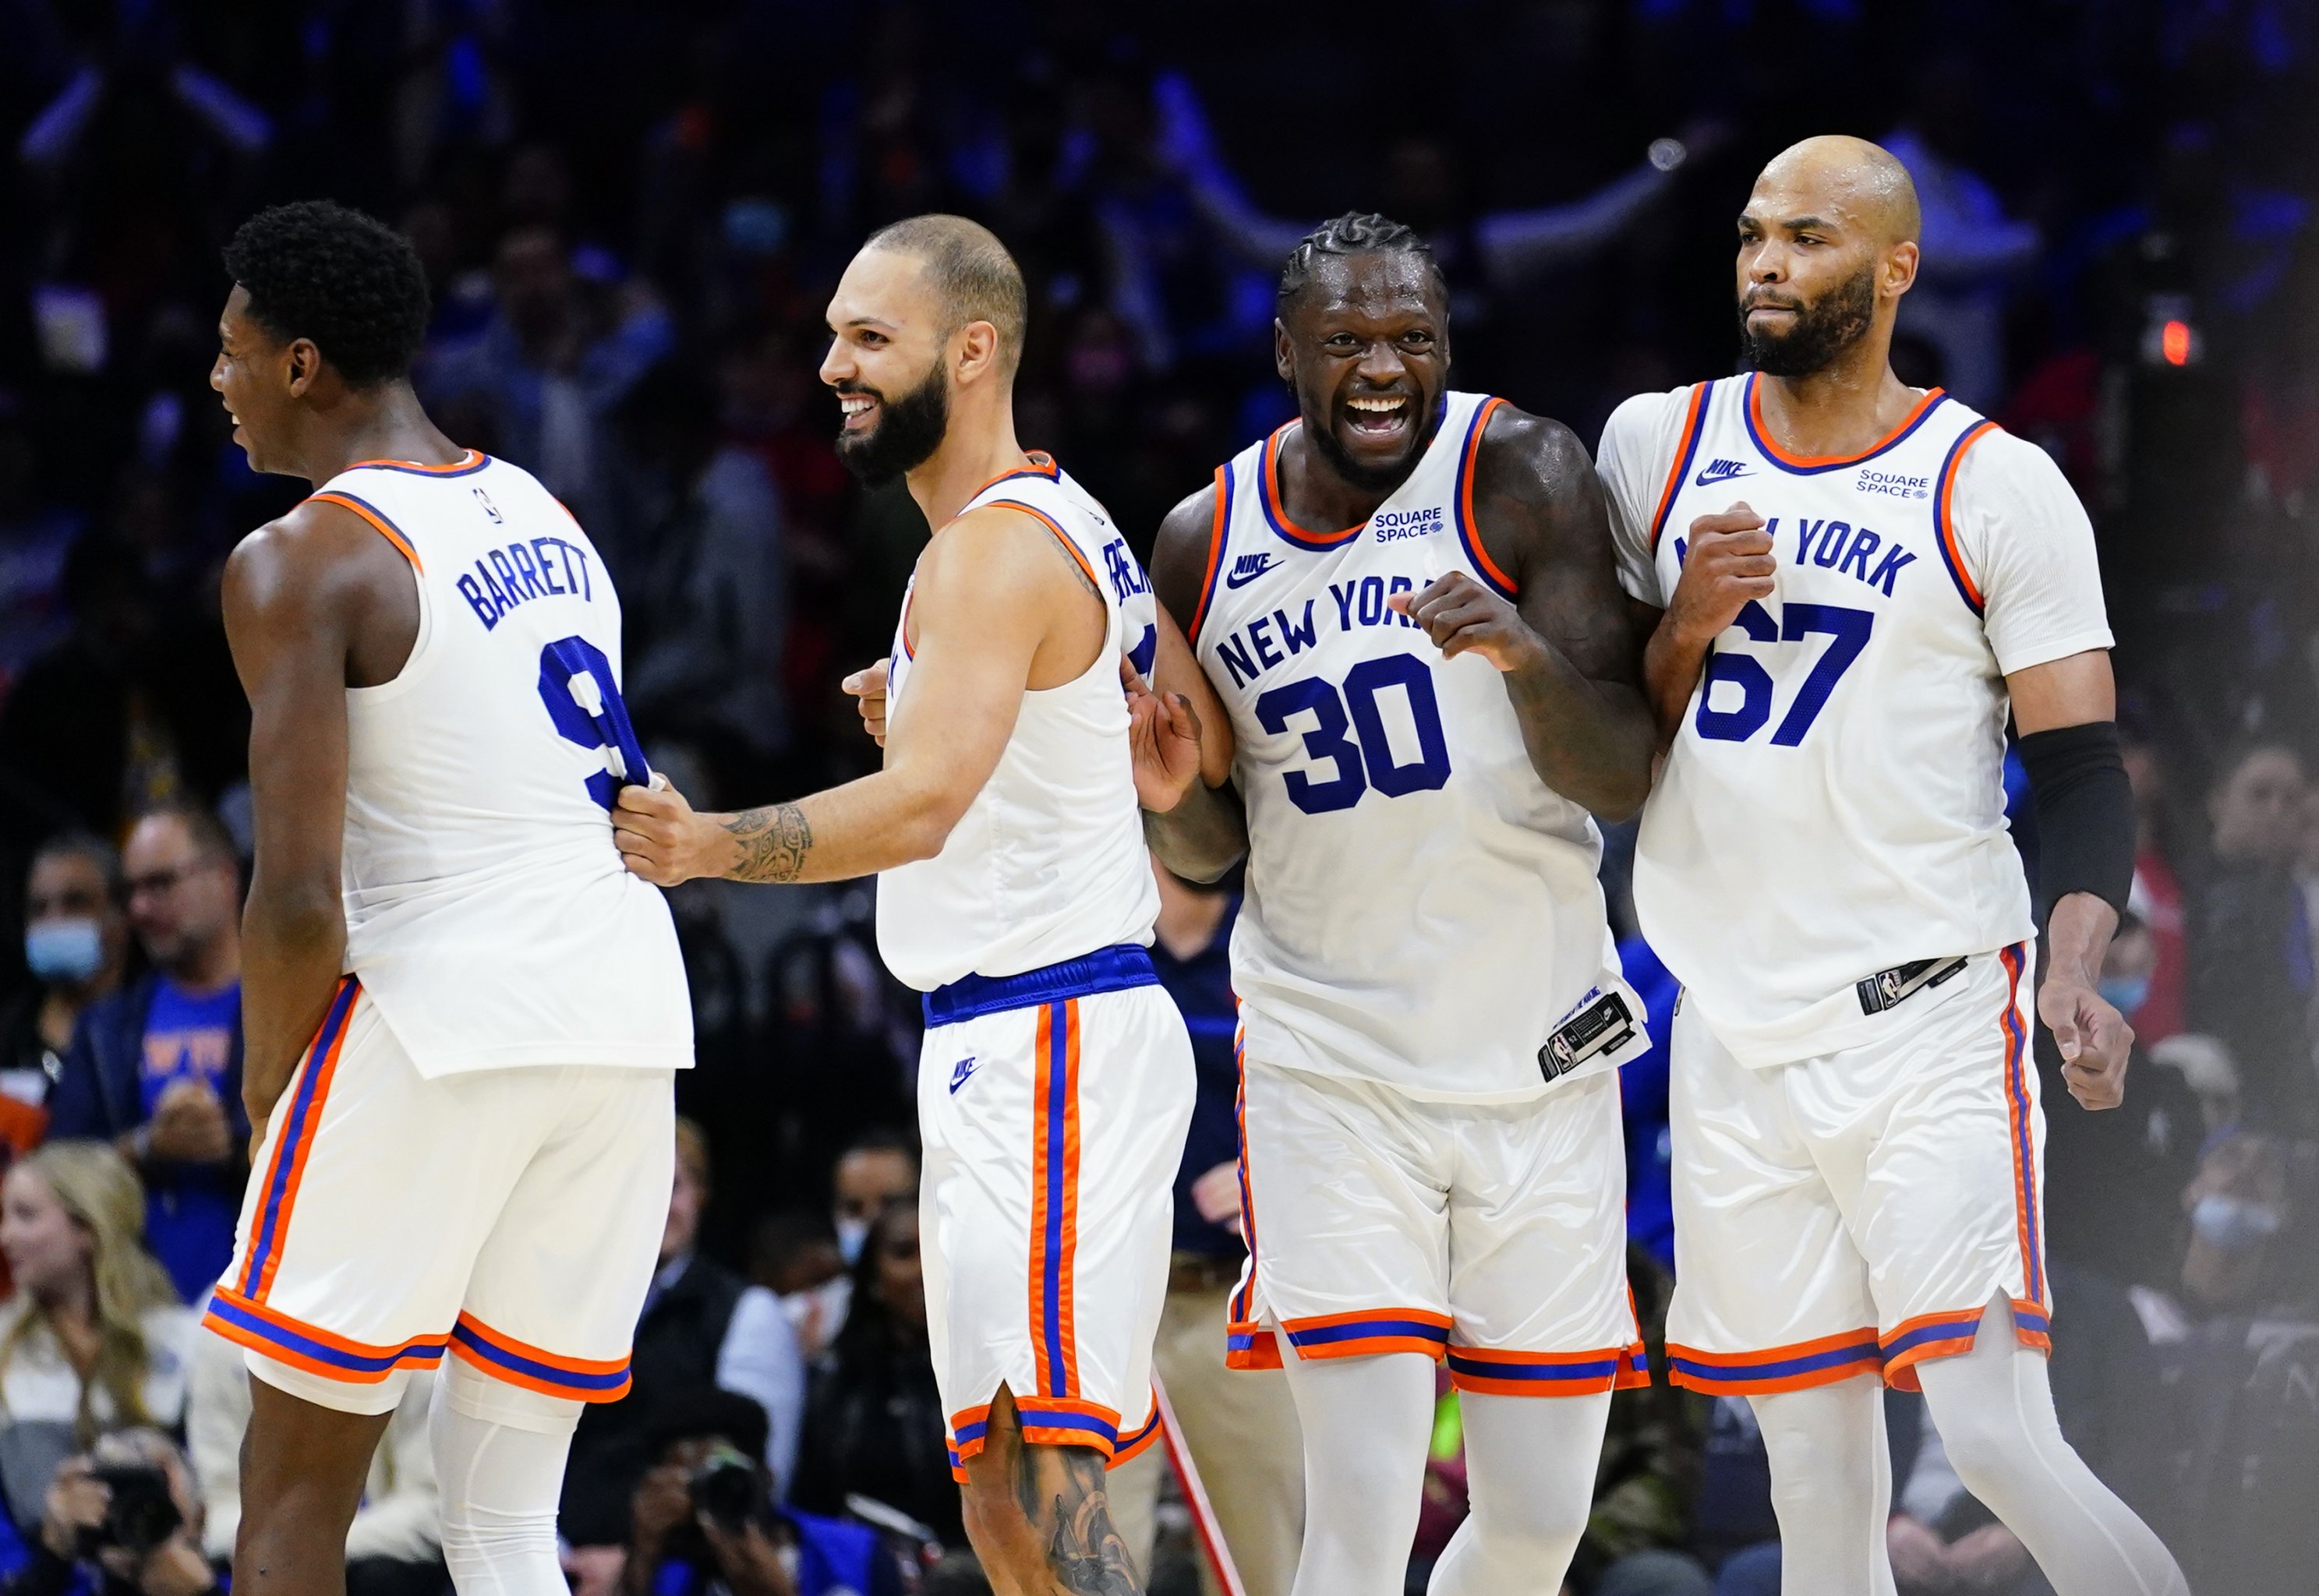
point(970, 273)
point(1844, 178)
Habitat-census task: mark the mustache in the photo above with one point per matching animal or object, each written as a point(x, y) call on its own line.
point(852, 385)
point(1768, 302)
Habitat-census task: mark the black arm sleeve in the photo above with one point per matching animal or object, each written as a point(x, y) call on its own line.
point(2085, 812)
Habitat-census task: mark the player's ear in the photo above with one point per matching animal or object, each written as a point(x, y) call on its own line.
point(1281, 360)
point(303, 363)
point(1899, 268)
point(977, 350)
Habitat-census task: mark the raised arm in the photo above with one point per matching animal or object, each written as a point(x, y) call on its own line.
point(314, 603)
point(1206, 832)
point(999, 607)
point(1567, 645)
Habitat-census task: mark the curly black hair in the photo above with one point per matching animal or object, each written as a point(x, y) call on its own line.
point(322, 271)
point(1355, 232)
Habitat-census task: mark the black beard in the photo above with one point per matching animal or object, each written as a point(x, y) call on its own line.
point(1372, 479)
point(1822, 329)
point(908, 433)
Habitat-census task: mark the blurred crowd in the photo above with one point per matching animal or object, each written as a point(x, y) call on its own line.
point(632, 215)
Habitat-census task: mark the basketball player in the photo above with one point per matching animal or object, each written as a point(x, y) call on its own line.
point(462, 1015)
point(1056, 1081)
point(1406, 600)
point(1849, 581)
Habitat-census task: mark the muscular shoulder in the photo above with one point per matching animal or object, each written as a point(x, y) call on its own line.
point(1000, 553)
point(1536, 499)
point(319, 558)
point(1640, 442)
point(1179, 552)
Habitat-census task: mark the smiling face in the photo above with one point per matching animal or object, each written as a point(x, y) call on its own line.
point(1365, 343)
point(260, 379)
point(887, 361)
point(1826, 246)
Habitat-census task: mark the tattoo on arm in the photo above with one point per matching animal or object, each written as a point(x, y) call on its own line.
point(1061, 1492)
point(774, 842)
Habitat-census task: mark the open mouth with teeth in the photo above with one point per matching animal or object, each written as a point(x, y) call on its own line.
point(1378, 415)
point(853, 409)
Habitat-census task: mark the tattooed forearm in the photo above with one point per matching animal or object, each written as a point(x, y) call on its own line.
point(774, 842)
point(1061, 1492)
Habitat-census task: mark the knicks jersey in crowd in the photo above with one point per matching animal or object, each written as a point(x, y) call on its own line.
point(1048, 863)
point(1833, 801)
point(488, 915)
point(1422, 909)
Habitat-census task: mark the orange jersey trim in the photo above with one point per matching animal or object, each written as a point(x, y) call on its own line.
point(1061, 537)
point(1216, 528)
point(1466, 524)
point(379, 523)
point(1270, 464)
point(1771, 445)
point(1686, 445)
point(1943, 501)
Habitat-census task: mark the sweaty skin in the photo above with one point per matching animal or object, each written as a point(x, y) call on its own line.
point(1822, 212)
point(1373, 325)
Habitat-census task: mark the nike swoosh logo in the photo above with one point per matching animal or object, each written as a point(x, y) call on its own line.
point(1240, 578)
point(1711, 476)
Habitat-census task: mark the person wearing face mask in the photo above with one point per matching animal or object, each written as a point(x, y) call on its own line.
point(155, 1068)
point(877, 1170)
point(76, 941)
point(702, 1325)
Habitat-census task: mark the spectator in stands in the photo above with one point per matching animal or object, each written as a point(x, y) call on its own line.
point(703, 1326)
point(793, 1253)
point(679, 1545)
point(2238, 1208)
point(703, 582)
point(76, 942)
point(2251, 946)
point(95, 1339)
point(78, 1551)
point(1241, 1426)
point(874, 1423)
point(878, 1170)
point(394, 1546)
point(155, 1068)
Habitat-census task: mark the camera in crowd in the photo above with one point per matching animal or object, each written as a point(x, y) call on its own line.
point(141, 1513)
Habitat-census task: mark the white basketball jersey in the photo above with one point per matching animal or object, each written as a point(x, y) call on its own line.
point(1422, 910)
point(1833, 802)
point(488, 915)
point(1048, 863)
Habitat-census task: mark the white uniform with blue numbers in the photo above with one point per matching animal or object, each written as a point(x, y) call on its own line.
point(1853, 1179)
point(1421, 917)
point(1055, 1081)
point(493, 1076)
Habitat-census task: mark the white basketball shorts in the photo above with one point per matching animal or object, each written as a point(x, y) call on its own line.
point(509, 1217)
point(1054, 1106)
point(1493, 1236)
point(1855, 1214)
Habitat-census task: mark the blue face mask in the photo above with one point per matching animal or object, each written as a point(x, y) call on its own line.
point(2124, 993)
point(64, 952)
point(2232, 1224)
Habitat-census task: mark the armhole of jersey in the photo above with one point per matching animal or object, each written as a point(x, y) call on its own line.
point(1686, 445)
point(1943, 519)
point(1111, 641)
point(403, 678)
point(1468, 533)
point(1219, 534)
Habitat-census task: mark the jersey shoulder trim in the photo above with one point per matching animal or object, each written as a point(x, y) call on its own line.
point(1943, 519)
point(1686, 447)
point(1813, 464)
point(1041, 465)
point(476, 461)
point(377, 518)
point(1070, 545)
point(1219, 534)
point(1468, 533)
point(1276, 516)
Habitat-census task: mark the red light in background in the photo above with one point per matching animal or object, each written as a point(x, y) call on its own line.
point(2174, 343)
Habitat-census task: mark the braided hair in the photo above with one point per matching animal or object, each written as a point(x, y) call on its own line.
point(1355, 232)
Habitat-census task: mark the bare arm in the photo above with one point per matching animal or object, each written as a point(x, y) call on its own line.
point(999, 607)
point(314, 603)
point(1567, 645)
point(1205, 834)
point(1727, 563)
point(2093, 1037)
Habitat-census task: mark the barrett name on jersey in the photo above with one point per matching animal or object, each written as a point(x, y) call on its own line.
point(1833, 804)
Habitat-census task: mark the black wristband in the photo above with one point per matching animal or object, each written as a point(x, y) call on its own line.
point(2085, 812)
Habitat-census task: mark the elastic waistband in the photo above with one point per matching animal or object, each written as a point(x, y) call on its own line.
point(1106, 969)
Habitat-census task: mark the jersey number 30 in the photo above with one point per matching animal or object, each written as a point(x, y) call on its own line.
point(1847, 632)
point(575, 683)
point(1365, 758)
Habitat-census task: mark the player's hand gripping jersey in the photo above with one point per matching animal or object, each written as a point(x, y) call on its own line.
point(1834, 805)
point(1422, 910)
point(488, 915)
